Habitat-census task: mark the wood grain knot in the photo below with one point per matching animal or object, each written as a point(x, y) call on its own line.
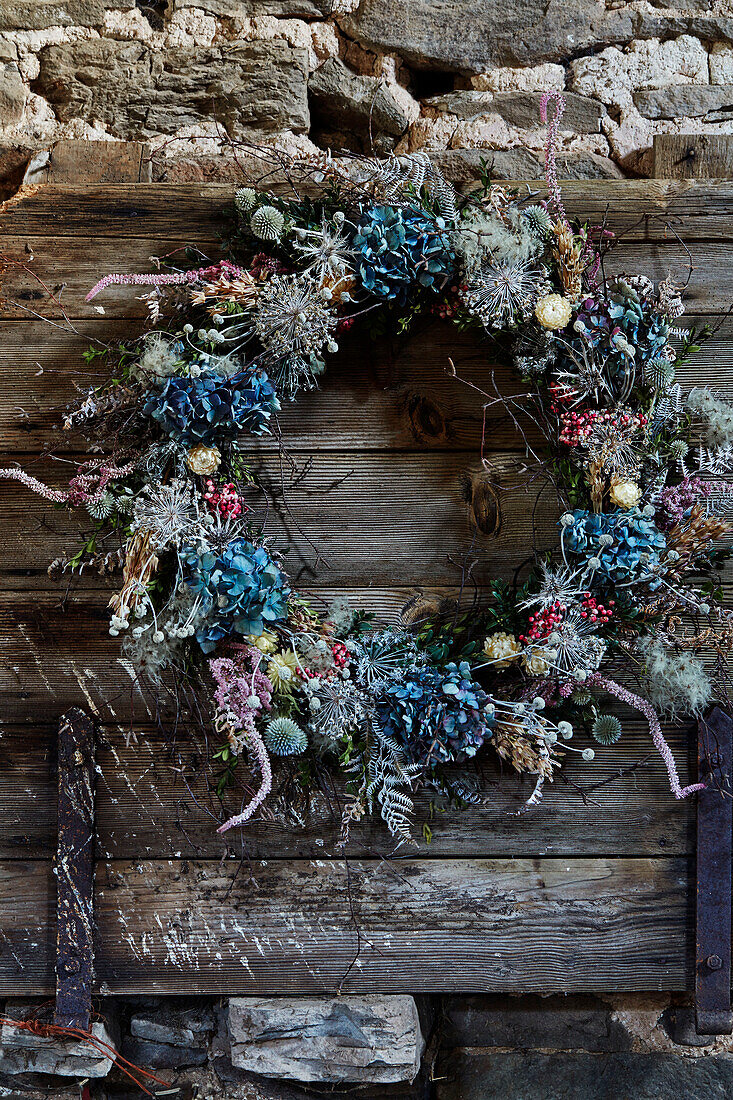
point(484, 507)
point(426, 420)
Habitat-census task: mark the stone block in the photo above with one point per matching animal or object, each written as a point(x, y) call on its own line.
point(282, 9)
point(713, 102)
point(138, 92)
point(153, 1055)
point(342, 99)
point(522, 109)
point(12, 96)
point(463, 165)
point(472, 36)
point(184, 1027)
point(366, 1039)
point(564, 1023)
point(22, 1052)
point(38, 15)
point(478, 1075)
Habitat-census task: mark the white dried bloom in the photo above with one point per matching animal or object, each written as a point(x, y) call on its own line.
point(554, 311)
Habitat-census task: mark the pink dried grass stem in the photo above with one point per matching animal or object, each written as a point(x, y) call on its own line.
point(174, 278)
point(553, 131)
point(79, 491)
point(256, 746)
point(58, 496)
point(645, 708)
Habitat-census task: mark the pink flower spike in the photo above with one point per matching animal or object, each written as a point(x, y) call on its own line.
point(553, 130)
point(257, 747)
point(165, 278)
point(645, 708)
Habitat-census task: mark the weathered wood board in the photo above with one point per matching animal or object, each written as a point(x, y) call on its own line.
point(592, 891)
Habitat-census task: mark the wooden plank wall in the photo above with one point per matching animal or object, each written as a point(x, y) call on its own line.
point(591, 891)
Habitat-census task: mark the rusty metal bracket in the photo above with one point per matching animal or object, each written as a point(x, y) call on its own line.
point(714, 849)
point(75, 871)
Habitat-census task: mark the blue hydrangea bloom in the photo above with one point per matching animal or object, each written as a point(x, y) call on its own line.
point(634, 552)
point(401, 249)
point(243, 590)
point(212, 409)
point(438, 714)
point(646, 330)
point(623, 315)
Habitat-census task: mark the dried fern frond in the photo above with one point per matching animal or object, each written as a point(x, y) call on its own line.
point(397, 178)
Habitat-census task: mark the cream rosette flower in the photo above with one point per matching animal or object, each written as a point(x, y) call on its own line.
point(265, 642)
point(501, 649)
point(281, 670)
point(553, 311)
point(625, 493)
point(203, 460)
point(538, 662)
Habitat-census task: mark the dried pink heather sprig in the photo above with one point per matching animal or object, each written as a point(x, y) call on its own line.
point(645, 708)
point(256, 746)
point(166, 278)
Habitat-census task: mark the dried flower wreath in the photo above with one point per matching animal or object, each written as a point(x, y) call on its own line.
point(203, 593)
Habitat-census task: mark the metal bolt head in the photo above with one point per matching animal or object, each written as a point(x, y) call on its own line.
point(714, 962)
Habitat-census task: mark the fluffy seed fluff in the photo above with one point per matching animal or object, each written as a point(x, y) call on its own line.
point(284, 737)
point(160, 358)
point(677, 684)
point(716, 415)
point(606, 729)
point(482, 235)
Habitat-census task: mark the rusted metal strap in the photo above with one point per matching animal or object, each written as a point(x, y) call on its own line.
point(75, 871)
point(714, 850)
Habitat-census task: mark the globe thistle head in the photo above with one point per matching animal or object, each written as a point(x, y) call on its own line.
point(102, 507)
point(124, 502)
point(659, 373)
point(284, 737)
point(245, 199)
point(606, 729)
point(267, 223)
point(539, 220)
point(678, 448)
point(581, 697)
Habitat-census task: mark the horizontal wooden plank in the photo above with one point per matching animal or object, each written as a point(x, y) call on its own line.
point(159, 210)
point(155, 799)
point(375, 519)
point(382, 395)
point(369, 926)
point(51, 276)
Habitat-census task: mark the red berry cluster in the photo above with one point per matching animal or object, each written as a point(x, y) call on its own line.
point(577, 427)
point(595, 611)
point(340, 655)
point(544, 622)
point(225, 499)
point(447, 307)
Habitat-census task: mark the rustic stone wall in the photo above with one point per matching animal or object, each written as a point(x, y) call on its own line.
point(391, 1048)
point(448, 76)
